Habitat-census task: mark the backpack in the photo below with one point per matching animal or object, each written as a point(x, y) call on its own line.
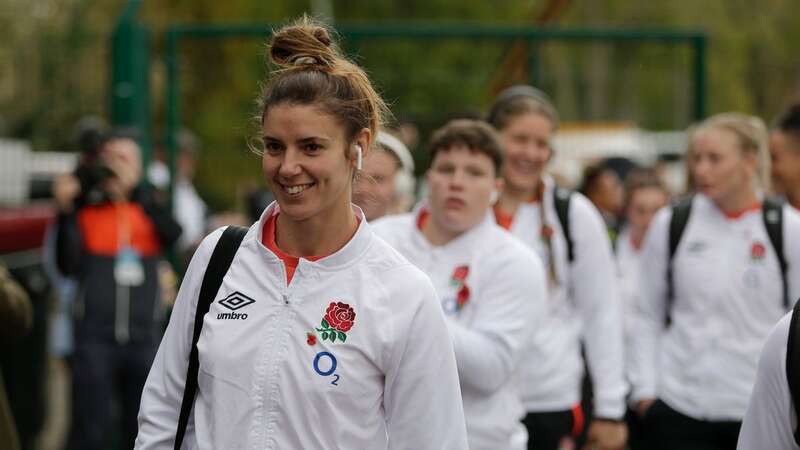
point(772, 214)
point(793, 365)
point(217, 267)
point(561, 198)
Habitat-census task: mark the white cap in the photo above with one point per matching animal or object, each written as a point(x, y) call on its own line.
point(399, 149)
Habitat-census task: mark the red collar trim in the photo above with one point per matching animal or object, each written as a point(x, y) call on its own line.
point(733, 215)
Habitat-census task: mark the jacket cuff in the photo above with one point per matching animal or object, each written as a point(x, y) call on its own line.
point(642, 393)
point(609, 410)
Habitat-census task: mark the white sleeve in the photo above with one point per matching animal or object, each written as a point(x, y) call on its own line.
point(422, 399)
point(649, 311)
point(509, 310)
point(593, 282)
point(791, 250)
point(770, 419)
point(163, 390)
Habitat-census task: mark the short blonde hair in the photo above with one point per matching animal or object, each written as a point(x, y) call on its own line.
point(750, 131)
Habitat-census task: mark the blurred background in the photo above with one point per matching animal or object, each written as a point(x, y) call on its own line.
point(57, 61)
point(628, 77)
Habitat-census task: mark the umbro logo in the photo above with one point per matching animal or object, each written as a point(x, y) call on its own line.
point(233, 302)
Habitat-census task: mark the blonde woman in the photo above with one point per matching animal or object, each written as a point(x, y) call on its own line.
point(711, 290)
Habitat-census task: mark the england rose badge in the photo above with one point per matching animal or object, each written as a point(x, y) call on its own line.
point(338, 320)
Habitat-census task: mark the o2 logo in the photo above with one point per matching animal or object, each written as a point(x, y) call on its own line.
point(325, 366)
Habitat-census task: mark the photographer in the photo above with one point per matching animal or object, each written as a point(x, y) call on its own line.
point(111, 234)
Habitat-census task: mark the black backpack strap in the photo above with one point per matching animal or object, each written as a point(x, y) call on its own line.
point(677, 224)
point(217, 267)
point(773, 221)
point(561, 198)
point(793, 364)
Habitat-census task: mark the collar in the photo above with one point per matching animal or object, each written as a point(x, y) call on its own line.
point(729, 217)
point(349, 254)
point(467, 240)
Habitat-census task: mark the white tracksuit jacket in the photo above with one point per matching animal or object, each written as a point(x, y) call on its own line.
point(583, 305)
point(629, 268)
point(770, 420)
point(727, 297)
point(388, 381)
point(492, 291)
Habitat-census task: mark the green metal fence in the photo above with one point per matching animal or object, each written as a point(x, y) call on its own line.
point(130, 64)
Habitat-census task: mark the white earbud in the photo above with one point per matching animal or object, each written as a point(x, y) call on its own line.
point(359, 156)
point(494, 196)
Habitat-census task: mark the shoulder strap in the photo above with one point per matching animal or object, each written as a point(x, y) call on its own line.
point(561, 198)
point(793, 364)
point(217, 267)
point(677, 224)
point(772, 212)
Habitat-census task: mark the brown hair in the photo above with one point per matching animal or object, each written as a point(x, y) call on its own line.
point(750, 131)
point(310, 70)
point(643, 178)
point(476, 135)
point(519, 100)
point(788, 122)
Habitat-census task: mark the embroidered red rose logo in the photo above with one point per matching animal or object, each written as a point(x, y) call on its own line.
point(461, 273)
point(757, 250)
point(339, 319)
point(459, 278)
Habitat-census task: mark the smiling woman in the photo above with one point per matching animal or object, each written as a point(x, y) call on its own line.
point(343, 344)
point(581, 282)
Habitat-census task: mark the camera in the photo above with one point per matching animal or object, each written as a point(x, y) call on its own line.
point(91, 177)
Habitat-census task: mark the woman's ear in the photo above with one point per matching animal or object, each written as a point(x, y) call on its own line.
point(362, 141)
point(498, 189)
point(752, 163)
point(499, 183)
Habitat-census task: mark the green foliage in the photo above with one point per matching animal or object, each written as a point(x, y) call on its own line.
point(60, 55)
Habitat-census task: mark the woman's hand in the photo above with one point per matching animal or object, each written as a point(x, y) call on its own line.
point(66, 188)
point(606, 435)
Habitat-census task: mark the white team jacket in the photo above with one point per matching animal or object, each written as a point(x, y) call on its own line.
point(583, 305)
point(727, 297)
point(770, 419)
point(629, 268)
point(269, 378)
point(492, 291)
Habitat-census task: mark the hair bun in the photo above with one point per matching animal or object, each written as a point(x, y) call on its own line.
point(304, 43)
point(323, 36)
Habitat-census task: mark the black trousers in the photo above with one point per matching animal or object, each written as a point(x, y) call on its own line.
point(107, 378)
point(663, 428)
point(547, 430)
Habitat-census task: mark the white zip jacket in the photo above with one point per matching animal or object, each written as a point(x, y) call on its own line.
point(492, 290)
point(584, 304)
point(629, 268)
point(770, 420)
point(271, 377)
point(727, 297)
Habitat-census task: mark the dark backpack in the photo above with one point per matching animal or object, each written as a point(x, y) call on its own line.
point(793, 364)
point(561, 198)
point(217, 267)
point(772, 214)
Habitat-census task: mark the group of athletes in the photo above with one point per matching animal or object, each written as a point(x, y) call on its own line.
point(466, 322)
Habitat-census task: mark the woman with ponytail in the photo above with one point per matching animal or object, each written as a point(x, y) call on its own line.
point(569, 234)
point(321, 335)
point(712, 288)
